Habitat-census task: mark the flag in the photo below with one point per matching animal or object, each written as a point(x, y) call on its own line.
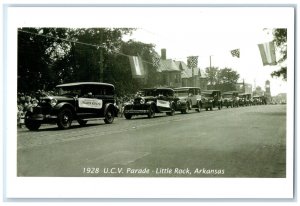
point(155, 61)
point(267, 53)
point(235, 53)
point(137, 68)
point(192, 61)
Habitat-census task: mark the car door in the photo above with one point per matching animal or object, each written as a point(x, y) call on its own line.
point(89, 103)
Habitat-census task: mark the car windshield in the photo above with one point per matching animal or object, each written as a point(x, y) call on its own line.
point(164, 92)
point(69, 91)
point(148, 92)
point(207, 94)
point(181, 93)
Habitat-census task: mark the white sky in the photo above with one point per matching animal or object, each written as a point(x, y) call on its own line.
point(216, 31)
point(217, 42)
point(183, 31)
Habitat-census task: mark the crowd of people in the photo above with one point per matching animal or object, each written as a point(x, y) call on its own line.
point(25, 102)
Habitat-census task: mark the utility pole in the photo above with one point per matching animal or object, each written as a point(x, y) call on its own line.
point(101, 65)
point(101, 58)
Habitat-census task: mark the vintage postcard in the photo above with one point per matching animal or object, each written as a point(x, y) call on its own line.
point(149, 102)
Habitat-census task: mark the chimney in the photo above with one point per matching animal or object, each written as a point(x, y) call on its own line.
point(163, 54)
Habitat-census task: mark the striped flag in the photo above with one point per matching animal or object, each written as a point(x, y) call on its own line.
point(235, 53)
point(267, 53)
point(137, 68)
point(192, 61)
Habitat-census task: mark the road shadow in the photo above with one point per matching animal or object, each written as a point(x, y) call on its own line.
point(73, 127)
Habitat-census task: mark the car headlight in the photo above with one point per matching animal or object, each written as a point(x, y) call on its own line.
point(53, 102)
point(142, 101)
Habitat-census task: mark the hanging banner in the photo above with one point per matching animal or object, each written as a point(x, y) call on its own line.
point(267, 53)
point(137, 68)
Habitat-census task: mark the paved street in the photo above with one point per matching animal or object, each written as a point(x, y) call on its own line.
point(237, 142)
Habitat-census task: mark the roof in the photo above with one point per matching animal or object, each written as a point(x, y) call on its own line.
point(181, 65)
point(84, 83)
point(188, 73)
point(168, 65)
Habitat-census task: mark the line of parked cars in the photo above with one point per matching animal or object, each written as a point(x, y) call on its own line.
point(84, 101)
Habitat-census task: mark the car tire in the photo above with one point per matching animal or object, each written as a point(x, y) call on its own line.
point(151, 113)
point(172, 112)
point(211, 108)
point(189, 105)
point(109, 116)
point(82, 122)
point(206, 108)
point(64, 118)
point(32, 125)
point(198, 109)
point(127, 116)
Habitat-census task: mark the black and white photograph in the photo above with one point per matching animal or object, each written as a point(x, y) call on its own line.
point(135, 98)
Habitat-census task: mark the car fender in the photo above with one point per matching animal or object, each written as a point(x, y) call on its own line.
point(61, 105)
point(110, 105)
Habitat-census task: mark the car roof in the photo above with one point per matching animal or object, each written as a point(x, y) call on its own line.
point(84, 83)
point(179, 88)
point(230, 92)
point(160, 88)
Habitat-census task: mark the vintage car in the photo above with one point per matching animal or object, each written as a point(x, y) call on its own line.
point(257, 100)
point(247, 99)
point(79, 101)
point(242, 100)
point(189, 97)
point(211, 99)
point(150, 101)
point(230, 98)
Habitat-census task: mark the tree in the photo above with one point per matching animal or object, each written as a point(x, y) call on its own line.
point(36, 55)
point(280, 40)
point(211, 73)
point(227, 75)
point(222, 79)
point(48, 56)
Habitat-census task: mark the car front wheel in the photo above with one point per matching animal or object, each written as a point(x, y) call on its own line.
point(127, 116)
point(65, 118)
point(32, 125)
point(151, 113)
point(109, 116)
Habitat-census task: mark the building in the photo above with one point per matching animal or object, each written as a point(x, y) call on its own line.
point(268, 91)
point(192, 77)
point(170, 72)
point(244, 88)
point(177, 74)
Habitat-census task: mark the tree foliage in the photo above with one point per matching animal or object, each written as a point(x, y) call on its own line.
point(36, 55)
point(280, 40)
point(50, 56)
point(221, 79)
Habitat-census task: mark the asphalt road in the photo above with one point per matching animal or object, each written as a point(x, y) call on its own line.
point(237, 142)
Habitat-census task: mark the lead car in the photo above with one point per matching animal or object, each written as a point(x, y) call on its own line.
point(79, 101)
